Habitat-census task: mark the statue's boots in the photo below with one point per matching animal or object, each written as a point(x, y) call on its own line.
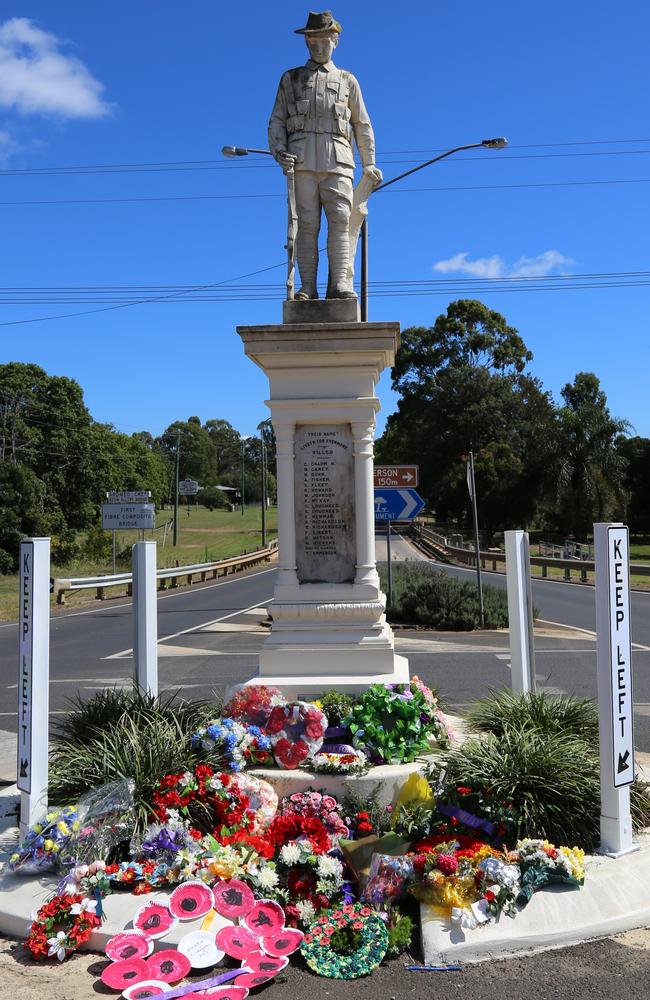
point(338, 253)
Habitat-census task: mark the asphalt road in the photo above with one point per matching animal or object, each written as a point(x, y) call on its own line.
point(90, 649)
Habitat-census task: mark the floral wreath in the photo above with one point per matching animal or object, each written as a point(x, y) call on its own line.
point(297, 731)
point(61, 926)
point(293, 826)
point(320, 954)
point(212, 802)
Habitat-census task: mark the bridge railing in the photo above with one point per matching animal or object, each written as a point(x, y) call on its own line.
point(439, 546)
point(170, 576)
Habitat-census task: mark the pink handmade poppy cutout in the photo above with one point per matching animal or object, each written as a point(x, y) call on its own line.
point(128, 944)
point(169, 965)
point(257, 961)
point(191, 900)
point(142, 991)
point(233, 898)
point(252, 979)
point(283, 943)
point(236, 941)
point(125, 972)
point(266, 917)
point(154, 919)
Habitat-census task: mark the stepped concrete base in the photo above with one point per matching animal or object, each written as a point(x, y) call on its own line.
point(614, 898)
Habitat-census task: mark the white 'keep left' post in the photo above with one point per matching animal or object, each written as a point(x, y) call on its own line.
point(615, 705)
point(145, 617)
point(520, 612)
point(33, 679)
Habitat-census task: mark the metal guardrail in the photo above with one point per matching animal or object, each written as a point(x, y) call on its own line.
point(101, 583)
point(439, 545)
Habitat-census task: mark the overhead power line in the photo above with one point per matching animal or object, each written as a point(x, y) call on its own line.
point(256, 162)
point(408, 190)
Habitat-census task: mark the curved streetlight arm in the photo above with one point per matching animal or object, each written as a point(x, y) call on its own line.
point(485, 144)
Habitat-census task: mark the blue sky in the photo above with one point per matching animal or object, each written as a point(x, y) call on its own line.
point(164, 82)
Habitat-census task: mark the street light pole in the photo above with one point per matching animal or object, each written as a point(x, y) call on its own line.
point(243, 446)
point(499, 143)
point(178, 454)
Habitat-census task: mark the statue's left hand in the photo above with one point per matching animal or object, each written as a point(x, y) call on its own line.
point(374, 173)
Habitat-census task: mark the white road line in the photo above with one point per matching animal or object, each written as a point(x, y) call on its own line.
point(161, 597)
point(588, 631)
point(193, 628)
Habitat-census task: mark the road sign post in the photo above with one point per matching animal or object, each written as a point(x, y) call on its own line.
point(397, 505)
point(615, 704)
point(520, 612)
point(33, 679)
point(145, 621)
point(389, 566)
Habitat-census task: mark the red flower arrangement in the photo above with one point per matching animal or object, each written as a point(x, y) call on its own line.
point(253, 703)
point(467, 846)
point(61, 926)
point(213, 802)
point(260, 845)
point(293, 826)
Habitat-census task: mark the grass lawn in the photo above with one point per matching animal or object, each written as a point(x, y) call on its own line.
point(203, 536)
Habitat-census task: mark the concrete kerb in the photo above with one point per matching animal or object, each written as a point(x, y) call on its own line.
point(614, 898)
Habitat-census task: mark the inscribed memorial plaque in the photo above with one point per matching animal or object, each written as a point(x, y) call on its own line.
point(324, 496)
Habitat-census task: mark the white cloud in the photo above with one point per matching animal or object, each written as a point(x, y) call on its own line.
point(496, 267)
point(37, 77)
point(484, 267)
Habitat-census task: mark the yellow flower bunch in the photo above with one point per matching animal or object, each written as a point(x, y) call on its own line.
point(576, 859)
point(63, 828)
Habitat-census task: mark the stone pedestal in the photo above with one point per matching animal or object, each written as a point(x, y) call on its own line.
point(329, 627)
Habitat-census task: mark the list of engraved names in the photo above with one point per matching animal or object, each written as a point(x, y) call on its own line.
point(324, 492)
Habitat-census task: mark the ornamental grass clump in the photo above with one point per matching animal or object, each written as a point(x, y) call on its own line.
point(119, 735)
point(546, 713)
point(553, 782)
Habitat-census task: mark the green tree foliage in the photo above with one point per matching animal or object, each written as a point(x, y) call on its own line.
point(636, 452)
point(591, 468)
point(463, 385)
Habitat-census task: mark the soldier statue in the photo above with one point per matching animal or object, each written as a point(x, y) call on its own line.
point(317, 111)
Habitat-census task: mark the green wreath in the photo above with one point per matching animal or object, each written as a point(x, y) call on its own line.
point(319, 950)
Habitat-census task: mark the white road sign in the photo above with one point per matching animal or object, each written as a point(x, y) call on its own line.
point(128, 516)
point(128, 496)
point(620, 655)
point(188, 487)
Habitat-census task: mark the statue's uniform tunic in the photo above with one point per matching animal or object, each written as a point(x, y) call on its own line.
point(317, 110)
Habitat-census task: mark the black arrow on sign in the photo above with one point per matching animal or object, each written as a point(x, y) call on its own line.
point(622, 761)
point(24, 764)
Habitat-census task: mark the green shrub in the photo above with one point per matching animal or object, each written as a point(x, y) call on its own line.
point(98, 544)
point(7, 562)
point(424, 596)
point(554, 782)
point(119, 734)
point(547, 713)
point(400, 932)
point(65, 548)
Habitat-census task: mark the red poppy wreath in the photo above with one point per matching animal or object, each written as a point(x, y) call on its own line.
point(296, 732)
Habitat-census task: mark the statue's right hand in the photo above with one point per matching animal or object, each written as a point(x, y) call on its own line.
point(286, 160)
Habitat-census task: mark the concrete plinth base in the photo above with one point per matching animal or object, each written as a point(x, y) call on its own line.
point(320, 311)
point(329, 626)
point(308, 687)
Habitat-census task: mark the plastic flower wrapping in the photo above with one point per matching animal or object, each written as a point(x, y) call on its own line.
point(252, 703)
point(41, 847)
point(106, 820)
point(242, 744)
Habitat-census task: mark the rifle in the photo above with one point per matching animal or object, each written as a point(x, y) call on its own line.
point(292, 229)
